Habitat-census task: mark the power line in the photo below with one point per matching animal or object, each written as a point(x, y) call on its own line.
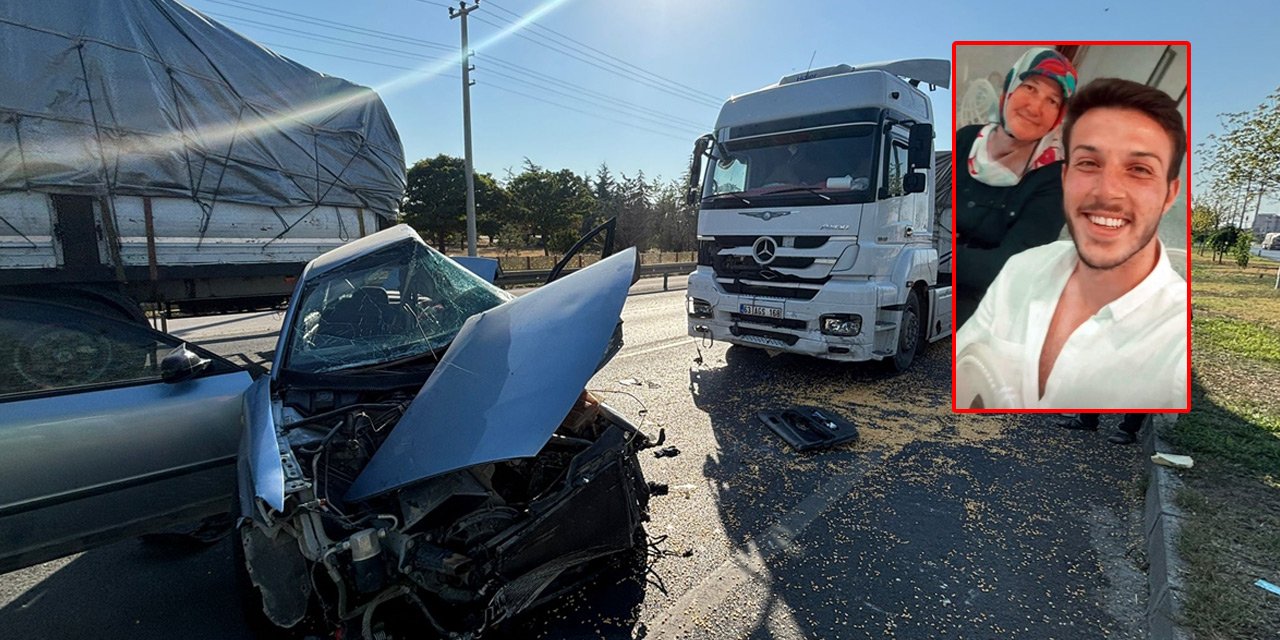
point(598, 51)
point(352, 43)
point(330, 24)
point(587, 113)
point(701, 126)
point(488, 84)
point(675, 123)
point(695, 130)
point(614, 70)
point(334, 55)
point(245, 6)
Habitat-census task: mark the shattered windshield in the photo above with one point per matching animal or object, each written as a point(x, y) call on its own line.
point(403, 301)
point(829, 161)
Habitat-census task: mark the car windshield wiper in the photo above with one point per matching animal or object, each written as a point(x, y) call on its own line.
point(795, 189)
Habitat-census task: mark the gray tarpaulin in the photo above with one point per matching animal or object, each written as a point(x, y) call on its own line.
point(150, 98)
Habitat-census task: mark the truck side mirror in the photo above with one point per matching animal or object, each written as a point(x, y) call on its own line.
point(695, 168)
point(920, 146)
point(914, 183)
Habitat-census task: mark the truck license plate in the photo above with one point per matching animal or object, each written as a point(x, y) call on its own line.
point(756, 310)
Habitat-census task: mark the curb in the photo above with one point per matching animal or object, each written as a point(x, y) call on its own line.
point(1161, 522)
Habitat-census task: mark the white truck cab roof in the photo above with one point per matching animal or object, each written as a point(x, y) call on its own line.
point(836, 89)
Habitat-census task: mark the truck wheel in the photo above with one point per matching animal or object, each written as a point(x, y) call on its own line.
point(908, 334)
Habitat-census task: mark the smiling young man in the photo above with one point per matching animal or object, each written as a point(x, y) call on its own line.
point(1098, 321)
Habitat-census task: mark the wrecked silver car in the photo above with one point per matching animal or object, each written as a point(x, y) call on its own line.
point(423, 458)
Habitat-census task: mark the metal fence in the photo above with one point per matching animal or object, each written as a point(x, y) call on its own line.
point(538, 276)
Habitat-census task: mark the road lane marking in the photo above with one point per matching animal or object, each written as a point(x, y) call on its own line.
point(659, 345)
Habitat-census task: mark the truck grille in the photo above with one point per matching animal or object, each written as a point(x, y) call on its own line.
point(781, 323)
point(735, 286)
point(801, 242)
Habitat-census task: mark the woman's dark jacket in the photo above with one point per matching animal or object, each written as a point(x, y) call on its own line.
point(993, 223)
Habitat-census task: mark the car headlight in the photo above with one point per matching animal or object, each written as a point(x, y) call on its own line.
point(698, 308)
point(842, 324)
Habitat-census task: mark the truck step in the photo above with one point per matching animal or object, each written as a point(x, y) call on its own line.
point(882, 325)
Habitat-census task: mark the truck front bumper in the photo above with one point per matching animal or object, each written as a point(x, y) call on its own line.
point(739, 319)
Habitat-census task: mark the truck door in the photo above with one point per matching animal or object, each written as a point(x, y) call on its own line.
point(903, 210)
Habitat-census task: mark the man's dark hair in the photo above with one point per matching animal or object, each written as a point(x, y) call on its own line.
point(1127, 94)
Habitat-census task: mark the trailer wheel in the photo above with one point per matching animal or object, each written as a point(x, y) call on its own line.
point(908, 334)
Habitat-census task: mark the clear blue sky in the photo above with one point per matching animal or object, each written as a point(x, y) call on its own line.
point(718, 47)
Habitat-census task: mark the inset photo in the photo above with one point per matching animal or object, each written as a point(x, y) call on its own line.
point(1071, 226)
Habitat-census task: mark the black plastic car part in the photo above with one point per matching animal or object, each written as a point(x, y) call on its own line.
point(808, 428)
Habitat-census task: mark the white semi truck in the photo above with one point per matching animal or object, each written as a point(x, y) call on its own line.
point(824, 218)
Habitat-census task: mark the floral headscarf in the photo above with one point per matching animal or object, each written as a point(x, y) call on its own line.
point(1038, 61)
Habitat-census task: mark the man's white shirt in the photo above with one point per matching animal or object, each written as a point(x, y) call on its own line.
point(1132, 354)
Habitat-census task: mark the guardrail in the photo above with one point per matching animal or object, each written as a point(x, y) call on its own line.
point(538, 276)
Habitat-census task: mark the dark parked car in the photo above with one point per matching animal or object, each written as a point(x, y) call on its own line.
point(107, 430)
point(423, 458)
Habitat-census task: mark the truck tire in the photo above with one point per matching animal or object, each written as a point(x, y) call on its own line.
point(909, 334)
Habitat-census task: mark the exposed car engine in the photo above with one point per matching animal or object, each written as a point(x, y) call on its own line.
point(455, 553)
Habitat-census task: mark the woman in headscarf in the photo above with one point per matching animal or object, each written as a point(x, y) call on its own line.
point(1009, 195)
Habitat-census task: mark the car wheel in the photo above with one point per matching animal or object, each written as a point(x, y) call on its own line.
point(909, 334)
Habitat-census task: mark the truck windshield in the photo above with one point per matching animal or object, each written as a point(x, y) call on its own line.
point(835, 162)
point(396, 303)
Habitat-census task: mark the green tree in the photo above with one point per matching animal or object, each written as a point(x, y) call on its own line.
point(1222, 241)
point(1205, 218)
point(605, 190)
point(635, 212)
point(1240, 250)
point(677, 222)
point(550, 202)
point(436, 201)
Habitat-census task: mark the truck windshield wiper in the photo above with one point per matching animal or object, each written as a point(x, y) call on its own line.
point(795, 189)
point(733, 195)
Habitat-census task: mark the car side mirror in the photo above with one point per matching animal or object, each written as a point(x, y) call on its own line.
point(914, 183)
point(182, 364)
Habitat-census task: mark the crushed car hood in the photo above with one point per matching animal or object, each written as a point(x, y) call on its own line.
point(508, 380)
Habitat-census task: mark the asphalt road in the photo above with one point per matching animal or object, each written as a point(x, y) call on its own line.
point(931, 525)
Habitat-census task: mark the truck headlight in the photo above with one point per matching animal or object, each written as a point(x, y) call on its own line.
point(698, 308)
point(842, 324)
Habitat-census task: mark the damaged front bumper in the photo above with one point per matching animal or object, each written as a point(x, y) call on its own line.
point(460, 552)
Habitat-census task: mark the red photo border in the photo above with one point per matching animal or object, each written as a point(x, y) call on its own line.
point(1187, 186)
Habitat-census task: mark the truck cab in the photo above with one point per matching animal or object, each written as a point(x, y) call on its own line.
point(816, 225)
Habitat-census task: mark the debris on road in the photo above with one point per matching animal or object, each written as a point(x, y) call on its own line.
point(669, 451)
point(684, 489)
point(634, 382)
point(659, 488)
point(808, 428)
point(1268, 586)
point(1173, 460)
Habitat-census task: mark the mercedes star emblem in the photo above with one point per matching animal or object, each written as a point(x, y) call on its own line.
point(765, 250)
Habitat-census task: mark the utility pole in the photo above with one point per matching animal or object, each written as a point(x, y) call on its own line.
point(466, 123)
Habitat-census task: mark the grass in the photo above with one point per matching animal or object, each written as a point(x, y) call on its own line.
point(1231, 536)
point(1239, 337)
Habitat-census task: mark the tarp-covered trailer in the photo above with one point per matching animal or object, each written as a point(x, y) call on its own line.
point(150, 154)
